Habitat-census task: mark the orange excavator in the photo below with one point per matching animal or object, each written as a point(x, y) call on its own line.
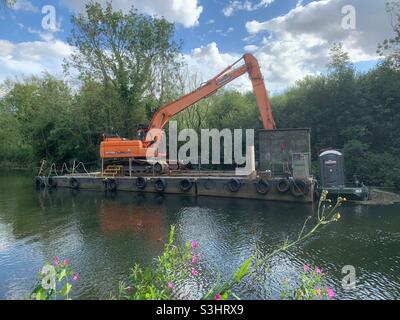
point(146, 148)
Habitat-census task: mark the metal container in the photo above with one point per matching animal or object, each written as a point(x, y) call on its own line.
point(301, 166)
point(277, 148)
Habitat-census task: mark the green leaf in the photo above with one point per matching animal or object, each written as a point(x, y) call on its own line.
point(40, 295)
point(243, 270)
point(66, 289)
point(62, 274)
point(225, 296)
point(171, 234)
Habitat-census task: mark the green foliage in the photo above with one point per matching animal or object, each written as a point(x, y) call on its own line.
point(54, 281)
point(158, 281)
point(310, 287)
point(133, 56)
point(356, 113)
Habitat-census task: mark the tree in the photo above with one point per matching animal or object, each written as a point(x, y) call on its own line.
point(391, 47)
point(131, 54)
point(339, 59)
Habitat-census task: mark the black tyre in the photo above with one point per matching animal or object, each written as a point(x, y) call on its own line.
point(160, 185)
point(185, 185)
point(234, 185)
point(51, 183)
point(299, 189)
point(158, 168)
point(74, 184)
point(141, 183)
point(263, 186)
point(283, 185)
point(39, 183)
point(112, 185)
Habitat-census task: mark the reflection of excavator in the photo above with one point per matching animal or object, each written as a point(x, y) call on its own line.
point(134, 220)
point(146, 149)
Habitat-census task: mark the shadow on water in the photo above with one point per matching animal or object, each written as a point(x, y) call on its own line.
point(103, 235)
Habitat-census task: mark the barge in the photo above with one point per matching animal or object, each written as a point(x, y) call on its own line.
point(191, 184)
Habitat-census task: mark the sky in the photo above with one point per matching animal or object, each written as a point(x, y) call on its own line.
point(290, 38)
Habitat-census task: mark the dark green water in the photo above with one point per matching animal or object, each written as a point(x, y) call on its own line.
point(103, 236)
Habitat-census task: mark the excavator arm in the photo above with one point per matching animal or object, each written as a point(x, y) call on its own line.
point(250, 66)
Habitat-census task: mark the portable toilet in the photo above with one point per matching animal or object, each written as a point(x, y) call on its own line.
point(332, 169)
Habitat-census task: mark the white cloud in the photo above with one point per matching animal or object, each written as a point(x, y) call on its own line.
point(207, 61)
point(32, 58)
point(225, 33)
point(297, 44)
point(321, 23)
point(251, 48)
point(24, 5)
point(245, 5)
point(186, 12)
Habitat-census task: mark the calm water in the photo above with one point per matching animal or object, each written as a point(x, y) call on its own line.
point(103, 236)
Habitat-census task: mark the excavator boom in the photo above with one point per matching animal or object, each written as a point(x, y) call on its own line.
point(251, 66)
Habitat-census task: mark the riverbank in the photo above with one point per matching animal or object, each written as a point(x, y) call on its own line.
point(381, 197)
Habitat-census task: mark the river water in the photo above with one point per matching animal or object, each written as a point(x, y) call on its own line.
point(103, 235)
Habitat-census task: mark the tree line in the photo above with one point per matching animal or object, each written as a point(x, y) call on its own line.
point(128, 65)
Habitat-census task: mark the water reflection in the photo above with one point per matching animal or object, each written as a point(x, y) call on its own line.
point(105, 234)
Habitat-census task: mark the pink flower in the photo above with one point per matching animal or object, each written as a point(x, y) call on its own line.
point(217, 296)
point(170, 285)
point(194, 259)
point(318, 292)
point(75, 277)
point(306, 268)
point(330, 292)
point(194, 272)
point(65, 262)
point(56, 261)
point(318, 270)
point(194, 244)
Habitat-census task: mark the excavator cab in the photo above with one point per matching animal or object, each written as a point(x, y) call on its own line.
point(142, 131)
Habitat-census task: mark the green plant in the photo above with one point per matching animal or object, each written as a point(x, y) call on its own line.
point(157, 282)
point(54, 281)
point(311, 286)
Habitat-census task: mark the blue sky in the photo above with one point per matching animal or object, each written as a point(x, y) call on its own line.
point(291, 38)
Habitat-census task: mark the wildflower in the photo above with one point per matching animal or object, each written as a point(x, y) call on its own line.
point(318, 291)
point(194, 259)
point(65, 262)
point(318, 270)
point(75, 277)
point(330, 292)
point(56, 261)
point(194, 272)
point(194, 244)
point(170, 285)
point(217, 296)
point(306, 268)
